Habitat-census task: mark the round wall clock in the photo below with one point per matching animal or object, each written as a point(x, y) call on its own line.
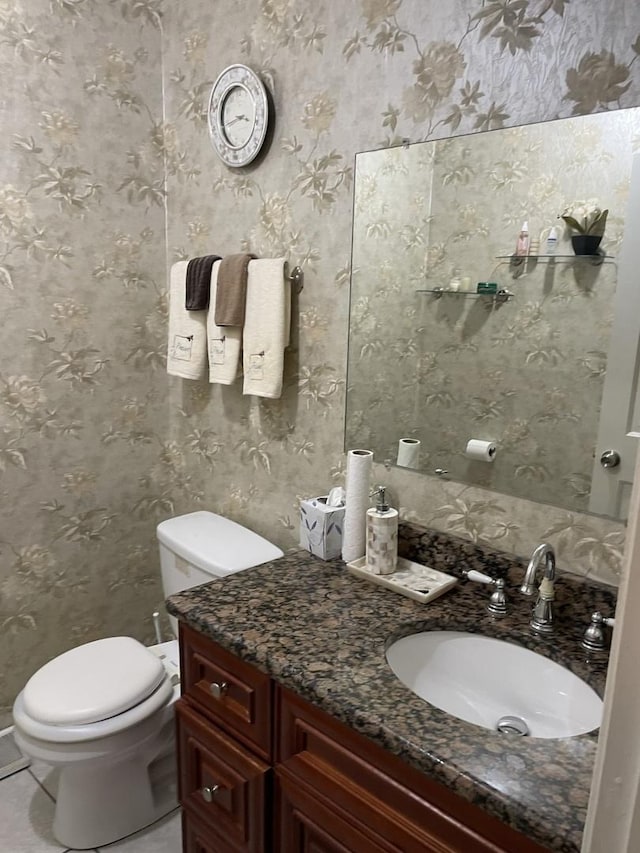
point(238, 115)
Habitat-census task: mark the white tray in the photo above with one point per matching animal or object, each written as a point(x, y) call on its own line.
point(411, 579)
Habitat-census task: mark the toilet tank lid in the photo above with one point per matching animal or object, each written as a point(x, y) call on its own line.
point(215, 544)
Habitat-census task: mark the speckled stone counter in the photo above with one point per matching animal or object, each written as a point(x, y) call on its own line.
point(323, 633)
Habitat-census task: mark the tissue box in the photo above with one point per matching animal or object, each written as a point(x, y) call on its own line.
point(321, 528)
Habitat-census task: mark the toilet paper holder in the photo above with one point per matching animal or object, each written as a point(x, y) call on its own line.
point(481, 450)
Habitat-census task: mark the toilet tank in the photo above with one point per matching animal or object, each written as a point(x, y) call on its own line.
point(201, 546)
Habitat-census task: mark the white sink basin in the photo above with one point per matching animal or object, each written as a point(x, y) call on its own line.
point(482, 681)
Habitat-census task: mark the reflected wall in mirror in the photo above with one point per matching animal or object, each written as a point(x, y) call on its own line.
point(526, 371)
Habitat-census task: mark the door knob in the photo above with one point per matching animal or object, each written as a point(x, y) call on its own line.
point(610, 459)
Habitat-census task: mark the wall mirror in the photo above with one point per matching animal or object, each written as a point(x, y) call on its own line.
point(546, 368)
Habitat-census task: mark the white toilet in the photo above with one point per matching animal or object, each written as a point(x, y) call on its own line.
point(103, 712)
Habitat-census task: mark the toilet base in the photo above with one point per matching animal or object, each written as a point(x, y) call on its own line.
point(111, 788)
point(97, 806)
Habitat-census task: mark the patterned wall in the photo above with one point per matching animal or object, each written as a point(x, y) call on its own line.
point(81, 274)
point(98, 444)
point(346, 78)
point(527, 373)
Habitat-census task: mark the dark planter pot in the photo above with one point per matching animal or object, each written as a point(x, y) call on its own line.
point(585, 244)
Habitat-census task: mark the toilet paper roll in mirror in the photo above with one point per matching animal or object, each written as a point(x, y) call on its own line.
point(485, 451)
point(408, 453)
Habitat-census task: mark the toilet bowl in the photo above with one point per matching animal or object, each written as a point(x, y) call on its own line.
point(112, 739)
point(102, 713)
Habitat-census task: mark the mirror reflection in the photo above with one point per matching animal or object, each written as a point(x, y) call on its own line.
point(479, 339)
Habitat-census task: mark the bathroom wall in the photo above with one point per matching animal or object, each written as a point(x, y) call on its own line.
point(81, 285)
point(345, 78)
point(97, 444)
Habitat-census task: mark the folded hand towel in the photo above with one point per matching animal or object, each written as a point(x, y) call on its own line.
point(198, 279)
point(232, 290)
point(224, 342)
point(187, 349)
point(266, 327)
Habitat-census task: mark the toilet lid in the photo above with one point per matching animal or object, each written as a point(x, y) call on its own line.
point(93, 682)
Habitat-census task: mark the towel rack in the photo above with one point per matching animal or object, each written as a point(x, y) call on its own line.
point(296, 277)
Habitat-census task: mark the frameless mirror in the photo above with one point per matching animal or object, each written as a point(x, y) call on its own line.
point(434, 364)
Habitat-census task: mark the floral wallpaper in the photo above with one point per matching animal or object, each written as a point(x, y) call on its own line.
point(527, 373)
point(346, 79)
point(81, 275)
point(106, 152)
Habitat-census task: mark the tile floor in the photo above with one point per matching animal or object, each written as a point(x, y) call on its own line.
point(26, 814)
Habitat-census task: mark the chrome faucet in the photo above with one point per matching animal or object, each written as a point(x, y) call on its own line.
point(542, 619)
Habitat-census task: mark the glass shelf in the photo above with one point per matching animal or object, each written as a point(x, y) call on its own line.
point(502, 295)
point(545, 259)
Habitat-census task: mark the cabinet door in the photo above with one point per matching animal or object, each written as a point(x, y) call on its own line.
point(221, 785)
point(374, 793)
point(304, 824)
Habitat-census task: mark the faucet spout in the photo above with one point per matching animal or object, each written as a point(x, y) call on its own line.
point(542, 618)
point(543, 552)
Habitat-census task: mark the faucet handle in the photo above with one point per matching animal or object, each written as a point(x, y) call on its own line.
point(593, 640)
point(478, 577)
point(498, 602)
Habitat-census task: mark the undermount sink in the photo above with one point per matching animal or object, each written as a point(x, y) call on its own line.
point(495, 684)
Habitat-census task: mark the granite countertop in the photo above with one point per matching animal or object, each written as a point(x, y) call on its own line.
point(322, 632)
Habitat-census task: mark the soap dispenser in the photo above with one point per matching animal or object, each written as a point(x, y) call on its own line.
point(382, 535)
point(522, 243)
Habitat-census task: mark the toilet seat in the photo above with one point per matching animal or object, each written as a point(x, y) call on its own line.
point(163, 696)
point(92, 682)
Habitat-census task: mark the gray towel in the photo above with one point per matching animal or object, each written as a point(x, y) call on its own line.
point(199, 282)
point(231, 291)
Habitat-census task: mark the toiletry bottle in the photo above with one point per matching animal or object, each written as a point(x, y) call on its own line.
point(382, 536)
point(454, 284)
point(552, 241)
point(522, 245)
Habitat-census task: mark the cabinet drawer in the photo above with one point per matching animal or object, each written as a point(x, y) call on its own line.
point(220, 784)
point(377, 793)
point(236, 695)
point(197, 838)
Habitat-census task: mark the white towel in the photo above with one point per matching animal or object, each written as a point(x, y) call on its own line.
point(267, 324)
point(187, 349)
point(223, 342)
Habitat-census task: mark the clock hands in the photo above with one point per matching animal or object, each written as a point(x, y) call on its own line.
point(234, 120)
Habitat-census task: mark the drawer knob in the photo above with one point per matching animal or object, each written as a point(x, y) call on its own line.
point(209, 793)
point(218, 690)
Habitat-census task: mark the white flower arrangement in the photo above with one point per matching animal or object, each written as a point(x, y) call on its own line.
point(586, 217)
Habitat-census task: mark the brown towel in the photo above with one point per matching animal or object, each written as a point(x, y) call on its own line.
point(199, 282)
point(231, 293)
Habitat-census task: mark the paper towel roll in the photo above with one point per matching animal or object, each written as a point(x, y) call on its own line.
point(483, 450)
point(409, 453)
point(356, 504)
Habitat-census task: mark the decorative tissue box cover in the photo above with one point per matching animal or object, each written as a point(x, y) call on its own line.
point(321, 527)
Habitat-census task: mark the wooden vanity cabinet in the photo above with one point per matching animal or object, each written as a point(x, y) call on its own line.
point(292, 779)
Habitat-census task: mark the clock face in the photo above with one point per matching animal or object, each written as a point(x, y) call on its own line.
point(238, 115)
